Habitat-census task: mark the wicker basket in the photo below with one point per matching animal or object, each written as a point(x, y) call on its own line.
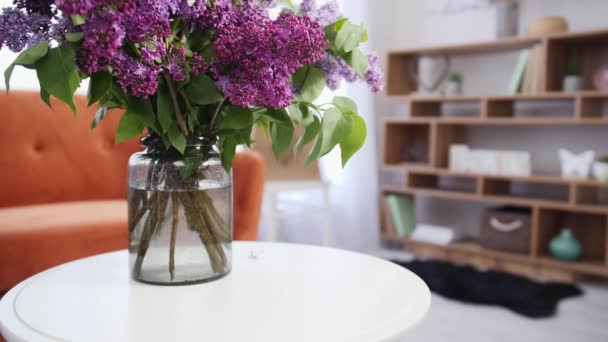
point(506, 229)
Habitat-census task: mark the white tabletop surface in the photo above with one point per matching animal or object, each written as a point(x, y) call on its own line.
point(276, 292)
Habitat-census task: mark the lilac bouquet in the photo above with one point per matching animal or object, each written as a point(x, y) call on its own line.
point(185, 68)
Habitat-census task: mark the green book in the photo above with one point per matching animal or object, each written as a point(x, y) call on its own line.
point(401, 208)
point(520, 70)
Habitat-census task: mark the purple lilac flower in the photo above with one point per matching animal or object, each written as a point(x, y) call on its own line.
point(327, 14)
point(14, 29)
point(260, 4)
point(308, 7)
point(139, 79)
point(177, 62)
point(149, 21)
point(19, 29)
point(78, 7)
point(198, 64)
point(348, 73)
point(219, 15)
point(255, 60)
point(62, 26)
point(36, 6)
point(198, 8)
point(153, 51)
point(103, 37)
point(331, 68)
point(336, 70)
point(374, 75)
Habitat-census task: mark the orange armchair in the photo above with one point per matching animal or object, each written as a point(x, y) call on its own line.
point(63, 187)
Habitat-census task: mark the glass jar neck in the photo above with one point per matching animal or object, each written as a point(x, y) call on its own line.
point(194, 145)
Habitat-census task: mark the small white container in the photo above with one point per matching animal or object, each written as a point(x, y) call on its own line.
point(459, 158)
point(452, 88)
point(600, 171)
point(573, 83)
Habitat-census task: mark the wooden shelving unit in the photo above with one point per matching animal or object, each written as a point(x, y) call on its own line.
point(418, 146)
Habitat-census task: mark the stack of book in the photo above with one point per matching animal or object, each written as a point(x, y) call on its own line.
point(527, 77)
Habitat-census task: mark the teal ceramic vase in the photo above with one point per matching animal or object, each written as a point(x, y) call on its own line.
point(565, 247)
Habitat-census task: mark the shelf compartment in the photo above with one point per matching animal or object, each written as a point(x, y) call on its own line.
point(532, 107)
point(431, 181)
point(531, 190)
point(445, 107)
point(444, 137)
point(589, 49)
point(592, 106)
point(591, 194)
point(589, 229)
point(407, 144)
point(399, 82)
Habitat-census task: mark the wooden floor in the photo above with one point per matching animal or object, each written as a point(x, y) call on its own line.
point(582, 319)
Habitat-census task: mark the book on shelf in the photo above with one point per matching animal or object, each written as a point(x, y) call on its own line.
point(402, 213)
point(520, 69)
point(532, 82)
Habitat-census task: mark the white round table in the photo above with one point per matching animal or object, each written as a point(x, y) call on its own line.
point(276, 292)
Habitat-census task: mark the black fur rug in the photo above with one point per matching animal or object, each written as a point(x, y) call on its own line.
point(466, 284)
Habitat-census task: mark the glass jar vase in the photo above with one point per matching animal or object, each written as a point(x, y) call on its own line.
point(180, 213)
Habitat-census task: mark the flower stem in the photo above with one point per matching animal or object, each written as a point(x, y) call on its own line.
point(174, 201)
point(215, 115)
point(181, 122)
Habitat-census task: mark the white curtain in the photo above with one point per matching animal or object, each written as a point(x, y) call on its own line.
point(355, 188)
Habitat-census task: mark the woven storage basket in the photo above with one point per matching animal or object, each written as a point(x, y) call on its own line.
point(506, 229)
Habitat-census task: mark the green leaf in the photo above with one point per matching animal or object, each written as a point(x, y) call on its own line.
point(130, 127)
point(311, 81)
point(264, 124)
point(27, 57)
point(33, 54)
point(336, 127)
point(7, 76)
point(277, 115)
point(164, 108)
point(202, 91)
point(142, 109)
point(331, 32)
point(46, 97)
point(310, 133)
point(77, 20)
point(349, 37)
point(358, 61)
point(235, 117)
point(57, 73)
point(345, 105)
point(228, 151)
point(296, 113)
point(307, 116)
point(99, 86)
point(200, 39)
point(355, 141)
point(177, 138)
point(208, 53)
point(282, 137)
point(74, 37)
point(315, 153)
point(100, 114)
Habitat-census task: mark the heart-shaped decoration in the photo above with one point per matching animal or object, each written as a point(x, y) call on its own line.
point(429, 71)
